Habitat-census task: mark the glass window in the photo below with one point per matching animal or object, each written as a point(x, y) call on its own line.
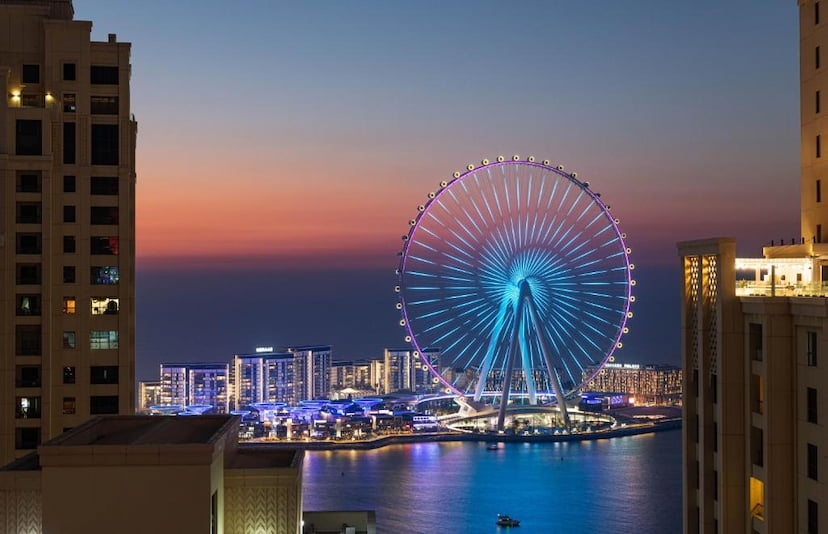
point(813, 462)
point(69, 72)
point(104, 276)
point(103, 75)
point(68, 274)
point(69, 305)
point(28, 304)
point(26, 438)
point(811, 404)
point(69, 143)
point(103, 374)
point(104, 105)
point(69, 374)
point(105, 305)
point(30, 74)
point(28, 213)
point(69, 244)
point(27, 376)
point(28, 274)
point(68, 339)
point(813, 517)
point(28, 183)
point(812, 349)
point(27, 339)
point(29, 139)
point(103, 404)
point(103, 339)
point(104, 185)
point(104, 144)
point(69, 214)
point(29, 243)
point(70, 104)
point(27, 407)
point(104, 245)
point(68, 405)
point(68, 184)
point(103, 215)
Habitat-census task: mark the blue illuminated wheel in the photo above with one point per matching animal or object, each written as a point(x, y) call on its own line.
point(518, 272)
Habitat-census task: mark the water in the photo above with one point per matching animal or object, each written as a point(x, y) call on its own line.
point(630, 484)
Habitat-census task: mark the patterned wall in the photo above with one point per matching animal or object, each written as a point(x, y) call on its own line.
point(20, 512)
point(260, 510)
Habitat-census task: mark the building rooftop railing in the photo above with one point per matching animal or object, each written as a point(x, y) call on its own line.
point(780, 289)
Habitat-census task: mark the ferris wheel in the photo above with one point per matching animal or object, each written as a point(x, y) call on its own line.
point(520, 275)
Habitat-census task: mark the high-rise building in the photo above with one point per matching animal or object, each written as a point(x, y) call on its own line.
point(149, 394)
point(312, 368)
point(655, 384)
point(405, 370)
point(67, 159)
point(753, 334)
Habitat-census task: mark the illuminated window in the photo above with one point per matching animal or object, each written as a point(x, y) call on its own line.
point(105, 305)
point(28, 304)
point(103, 339)
point(68, 339)
point(757, 498)
point(69, 103)
point(69, 305)
point(68, 405)
point(27, 407)
point(104, 276)
point(68, 374)
point(104, 105)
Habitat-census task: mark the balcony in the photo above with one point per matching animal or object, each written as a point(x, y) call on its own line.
point(780, 277)
point(745, 288)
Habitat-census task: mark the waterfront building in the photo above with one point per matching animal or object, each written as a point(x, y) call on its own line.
point(377, 374)
point(149, 394)
point(248, 379)
point(312, 368)
point(166, 475)
point(67, 159)
point(405, 371)
point(195, 384)
point(754, 336)
point(280, 377)
point(646, 384)
point(173, 384)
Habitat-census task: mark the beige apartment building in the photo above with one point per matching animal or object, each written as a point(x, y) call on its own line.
point(754, 346)
point(67, 275)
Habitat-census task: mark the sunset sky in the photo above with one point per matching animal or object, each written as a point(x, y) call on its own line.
point(282, 147)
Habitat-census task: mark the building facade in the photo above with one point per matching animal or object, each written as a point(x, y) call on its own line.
point(149, 394)
point(67, 158)
point(405, 371)
point(647, 384)
point(312, 368)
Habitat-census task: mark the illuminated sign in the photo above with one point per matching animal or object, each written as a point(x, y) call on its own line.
point(264, 349)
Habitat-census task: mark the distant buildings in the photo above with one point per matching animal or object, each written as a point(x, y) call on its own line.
point(67, 163)
point(405, 371)
point(187, 384)
point(647, 384)
point(754, 340)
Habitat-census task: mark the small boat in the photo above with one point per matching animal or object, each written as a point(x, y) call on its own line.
point(504, 520)
point(492, 446)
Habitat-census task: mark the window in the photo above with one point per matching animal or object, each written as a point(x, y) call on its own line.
point(70, 104)
point(757, 394)
point(29, 243)
point(68, 375)
point(30, 74)
point(26, 438)
point(69, 214)
point(103, 374)
point(811, 405)
point(104, 276)
point(755, 341)
point(28, 100)
point(27, 376)
point(69, 244)
point(70, 305)
point(813, 517)
point(101, 75)
point(714, 388)
point(757, 498)
point(818, 146)
point(69, 72)
point(105, 305)
point(68, 339)
point(28, 304)
point(103, 185)
point(715, 436)
point(818, 233)
point(816, 57)
point(68, 274)
point(103, 339)
point(104, 144)
point(819, 190)
point(27, 339)
point(104, 105)
point(69, 143)
point(813, 462)
point(28, 213)
point(27, 408)
point(28, 183)
point(812, 349)
point(103, 215)
point(103, 404)
point(757, 446)
point(28, 274)
point(29, 140)
point(68, 405)
point(104, 245)
point(68, 184)
point(816, 107)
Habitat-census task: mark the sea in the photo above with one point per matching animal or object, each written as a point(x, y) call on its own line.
point(620, 485)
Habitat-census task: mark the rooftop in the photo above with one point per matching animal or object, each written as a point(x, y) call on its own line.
point(145, 430)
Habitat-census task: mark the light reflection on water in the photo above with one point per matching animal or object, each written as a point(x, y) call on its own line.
point(630, 484)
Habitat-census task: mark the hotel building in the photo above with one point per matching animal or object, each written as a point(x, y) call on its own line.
point(195, 384)
point(647, 384)
point(405, 371)
point(754, 345)
point(67, 159)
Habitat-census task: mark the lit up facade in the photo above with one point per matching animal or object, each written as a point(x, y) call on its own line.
point(149, 394)
point(652, 384)
point(67, 159)
point(754, 334)
point(203, 384)
point(312, 365)
point(405, 371)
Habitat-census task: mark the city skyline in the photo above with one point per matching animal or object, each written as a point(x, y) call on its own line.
point(280, 160)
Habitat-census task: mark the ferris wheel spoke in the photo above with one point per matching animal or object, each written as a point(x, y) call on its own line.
point(486, 364)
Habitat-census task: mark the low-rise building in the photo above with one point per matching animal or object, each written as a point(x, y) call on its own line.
point(645, 384)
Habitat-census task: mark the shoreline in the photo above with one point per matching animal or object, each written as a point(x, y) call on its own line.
point(438, 437)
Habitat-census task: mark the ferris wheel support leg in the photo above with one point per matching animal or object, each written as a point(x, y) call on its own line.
point(510, 360)
point(487, 361)
point(547, 358)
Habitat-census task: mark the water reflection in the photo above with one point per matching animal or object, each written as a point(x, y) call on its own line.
point(630, 484)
